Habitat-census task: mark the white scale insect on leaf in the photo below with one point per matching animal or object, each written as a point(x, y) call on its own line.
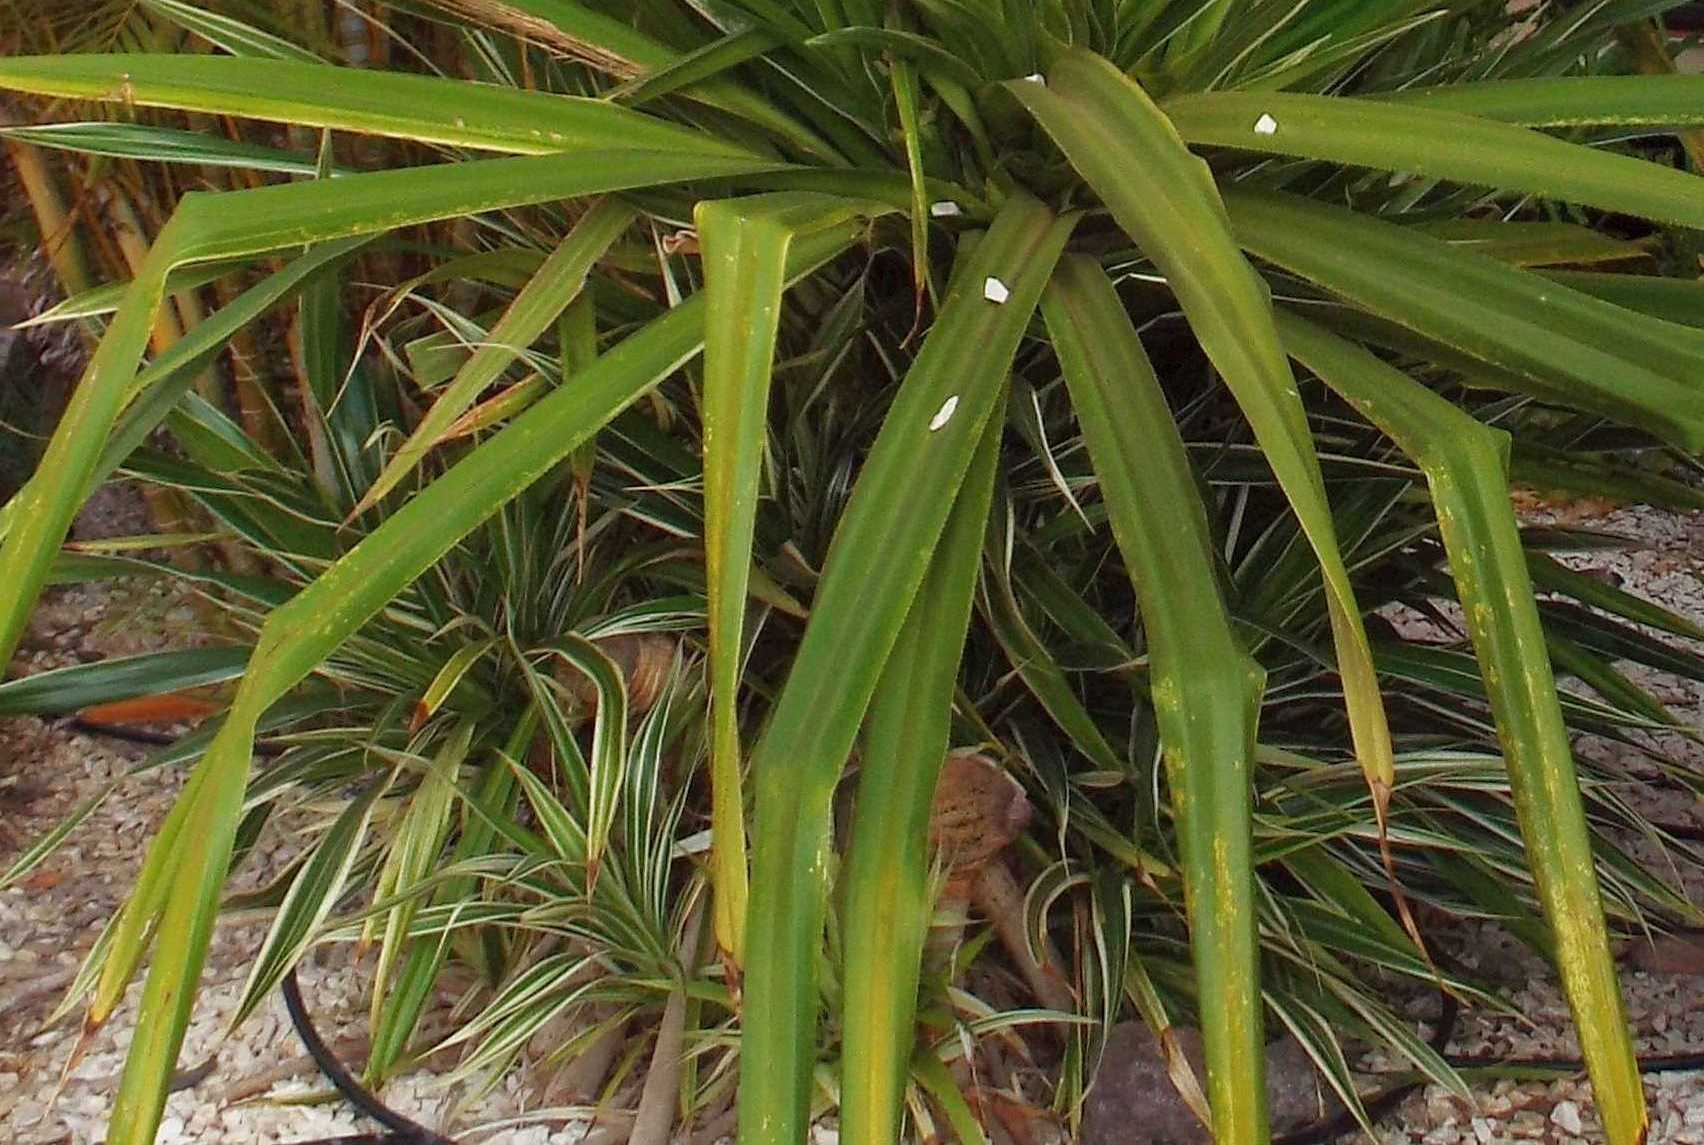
point(944, 414)
point(1265, 125)
point(995, 291)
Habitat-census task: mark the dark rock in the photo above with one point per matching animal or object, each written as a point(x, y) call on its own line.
point(14, 302)
point(1133, 1101)
point(116, 509)
point(19, 445)
point(32, 390)
point(1669, 954)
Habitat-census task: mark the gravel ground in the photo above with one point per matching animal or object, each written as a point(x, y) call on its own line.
point(1665, 1010)
point(262, 1089)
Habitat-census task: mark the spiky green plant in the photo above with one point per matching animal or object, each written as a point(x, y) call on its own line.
point(959, 204)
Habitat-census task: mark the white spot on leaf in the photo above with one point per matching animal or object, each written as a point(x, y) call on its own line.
point(995, 291)
point(1265, 125)
point(945, 413)
point(1035, 77)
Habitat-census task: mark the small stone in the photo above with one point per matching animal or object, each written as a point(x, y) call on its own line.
point(1527, 1124)
point(1265, 125)
point(1566, 1116)
point(995, 291)
point(945, 209)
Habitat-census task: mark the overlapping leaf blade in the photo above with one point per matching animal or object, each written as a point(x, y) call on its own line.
point(1554, 342)
point(1165, 198)
point(887, 906)
point(881, 551)
point(556, 284)
point(1465, 466)
point(1571, 101)
point(217, 227)
point(1206, 688)
point(745, 244)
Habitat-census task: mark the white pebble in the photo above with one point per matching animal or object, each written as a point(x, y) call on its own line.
point(1035, 77)
point(945, 209)
point(1566, 1115)
point(1265, 125)
point(995, 291)
point(944, 414)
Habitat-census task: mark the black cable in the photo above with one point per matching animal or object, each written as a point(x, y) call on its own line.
point(402, 1131)
point(147, 738)
point(1382, 1103)
point(126, 735)
point(1345, 1121)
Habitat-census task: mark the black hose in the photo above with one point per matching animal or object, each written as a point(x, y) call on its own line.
point(401, 1130)
point(1380, 1104)
point(146, 738)
point(1386, 1100)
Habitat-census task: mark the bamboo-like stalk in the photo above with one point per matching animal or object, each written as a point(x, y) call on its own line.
point(56, 225)
point(255, 411)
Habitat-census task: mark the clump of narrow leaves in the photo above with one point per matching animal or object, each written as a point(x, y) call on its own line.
point(1073, 380)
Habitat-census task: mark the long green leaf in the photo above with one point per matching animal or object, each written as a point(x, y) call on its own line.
point(1206, 688)
point(1164, 198)
point(887, 907)
point(745, 244)
point(1571, 101)
point(1466, 469)
point(1553, 576)
point(79, 686)
point(613, 45)
point(299, 634)
point(161, 145)
point(232, 35)
point(1556, 343)
point(1439, 144)
point(881, 551)
point(423, 108)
